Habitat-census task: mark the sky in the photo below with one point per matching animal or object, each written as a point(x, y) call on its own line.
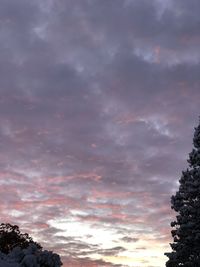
point(98, 104)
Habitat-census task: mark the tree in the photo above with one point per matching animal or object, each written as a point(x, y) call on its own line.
point(186, 202)
point(10, 237)
point(19, 250)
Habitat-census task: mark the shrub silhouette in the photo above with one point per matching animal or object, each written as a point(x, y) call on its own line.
point(10, 237)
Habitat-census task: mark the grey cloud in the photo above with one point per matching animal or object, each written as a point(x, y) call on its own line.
point(111, 251)
point(141, 248)
point(129, 239)
point(105, 89)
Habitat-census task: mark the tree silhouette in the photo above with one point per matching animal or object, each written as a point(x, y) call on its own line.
point(10, 237)
point(186, 202)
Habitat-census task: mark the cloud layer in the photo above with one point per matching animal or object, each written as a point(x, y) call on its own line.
point(98, 100)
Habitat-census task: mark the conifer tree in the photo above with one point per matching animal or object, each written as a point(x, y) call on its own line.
point(186, 202)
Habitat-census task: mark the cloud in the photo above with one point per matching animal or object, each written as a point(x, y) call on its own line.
point(98, 100)
point(129, 239)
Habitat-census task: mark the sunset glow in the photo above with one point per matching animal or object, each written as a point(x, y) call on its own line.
point(98, 101)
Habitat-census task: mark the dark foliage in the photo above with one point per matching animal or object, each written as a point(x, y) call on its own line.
point(186, 202)
point(10, 237)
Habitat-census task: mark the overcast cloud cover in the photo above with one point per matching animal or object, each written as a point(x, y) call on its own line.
point(98, 101)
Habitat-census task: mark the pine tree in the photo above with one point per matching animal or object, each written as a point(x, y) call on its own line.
point(186, 202)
